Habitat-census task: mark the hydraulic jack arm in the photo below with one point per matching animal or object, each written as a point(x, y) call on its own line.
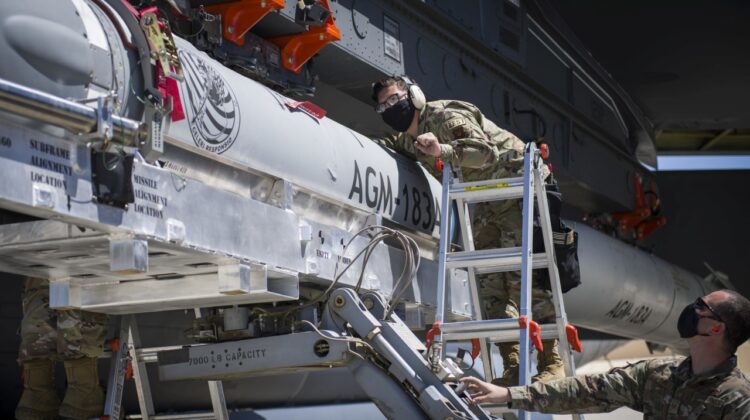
point(384, 359)
point(407, 368)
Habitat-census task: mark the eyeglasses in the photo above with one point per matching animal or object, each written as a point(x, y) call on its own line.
point(389, 102)
point(700, 303)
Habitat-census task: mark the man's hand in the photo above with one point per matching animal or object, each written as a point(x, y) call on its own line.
point(485, 392)
point(428, 144)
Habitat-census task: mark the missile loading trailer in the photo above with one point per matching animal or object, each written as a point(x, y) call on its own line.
point(248, 207)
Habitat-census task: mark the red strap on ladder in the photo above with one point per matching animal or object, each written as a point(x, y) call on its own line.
point(475, 348)
point(435, 330)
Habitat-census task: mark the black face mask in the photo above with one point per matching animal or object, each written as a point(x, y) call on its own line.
point(687, 324)
point(400, 115)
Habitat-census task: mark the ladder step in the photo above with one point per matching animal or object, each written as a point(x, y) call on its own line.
point(490, 190)
point(495, 260)
point(496, 330)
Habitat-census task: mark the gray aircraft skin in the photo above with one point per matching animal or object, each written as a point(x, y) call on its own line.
point(260, 159)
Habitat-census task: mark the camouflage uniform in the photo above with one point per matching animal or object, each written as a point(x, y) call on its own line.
point(50, 334)
point(483, 151)
point(660, 389)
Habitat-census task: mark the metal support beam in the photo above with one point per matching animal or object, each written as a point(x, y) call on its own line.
point(392, 341)
point(257, 356)
point(168, 294)
point(72, 116)
point(711, 143)
point(140, 375)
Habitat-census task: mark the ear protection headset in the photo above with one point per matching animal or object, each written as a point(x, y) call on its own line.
point(416, 96)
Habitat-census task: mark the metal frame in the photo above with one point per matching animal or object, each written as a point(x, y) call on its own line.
point(333, 345)
point(531, 188)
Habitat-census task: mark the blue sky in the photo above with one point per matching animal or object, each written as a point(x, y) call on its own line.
point(703, 163)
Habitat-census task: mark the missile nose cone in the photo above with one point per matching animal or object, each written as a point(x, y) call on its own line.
point(58, 52)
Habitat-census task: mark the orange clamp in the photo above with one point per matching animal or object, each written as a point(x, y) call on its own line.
point(572, 334)
point(642, 220)
point(114, 344)
point(435, 330)
point(544, 151)
point(535, 331)
point(298, 48)
point(647, 227)
point(239, 16)
point(535, 334)
point(476, 348)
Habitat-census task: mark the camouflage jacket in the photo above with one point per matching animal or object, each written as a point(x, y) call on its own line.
point(469, 140)
point(660, 389)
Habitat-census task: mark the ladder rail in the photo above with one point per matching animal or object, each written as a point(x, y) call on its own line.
point(527, 243)
point(443, 244)
point(467, 243)
point(140, 375)
point(532, 190)
point(554, 275)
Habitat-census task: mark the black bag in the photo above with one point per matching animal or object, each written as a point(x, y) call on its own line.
point(565, 241)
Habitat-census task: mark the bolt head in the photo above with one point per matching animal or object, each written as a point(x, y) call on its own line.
point(369, 304)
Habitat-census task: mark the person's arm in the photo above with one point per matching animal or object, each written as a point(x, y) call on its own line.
point(581, 394)
point(462, 140)
point(585, 394)
point(396, 143)
point(739, 409)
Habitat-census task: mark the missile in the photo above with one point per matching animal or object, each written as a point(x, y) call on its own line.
point(242, 137)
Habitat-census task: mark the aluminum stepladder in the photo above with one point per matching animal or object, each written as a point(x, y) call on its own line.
point(531, 189)
point(129, 359)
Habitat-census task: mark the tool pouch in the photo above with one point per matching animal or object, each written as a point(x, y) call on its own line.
point(565, 241)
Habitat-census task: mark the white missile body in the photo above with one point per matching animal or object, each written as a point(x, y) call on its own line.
point(625, 291)
point(241, 137)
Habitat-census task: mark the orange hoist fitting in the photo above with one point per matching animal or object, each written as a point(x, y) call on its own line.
point(114, 344)
point(629, 220)
point(544, 151)
point(649, 226)
point(644, 219)
point(237, 17)
point(298, 48)
point(572, 334)
point(535, 331)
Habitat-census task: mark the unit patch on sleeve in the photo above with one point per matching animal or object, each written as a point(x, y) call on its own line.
point(455, 122)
